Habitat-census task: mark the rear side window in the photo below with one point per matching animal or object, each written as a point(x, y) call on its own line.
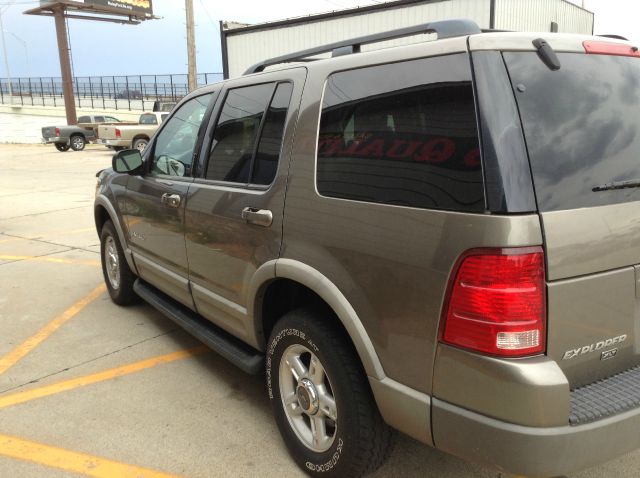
point(582, 126)
point(402, 134)
point(266, 162)
point(148, 119)
point(248, 136)
point(84, 119)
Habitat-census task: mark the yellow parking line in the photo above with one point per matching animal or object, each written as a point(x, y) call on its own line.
point(55, 260)
point(72, 461)
point(21, 397)
point(32, 342)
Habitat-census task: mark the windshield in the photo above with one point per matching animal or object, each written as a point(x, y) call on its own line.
point(582, 127)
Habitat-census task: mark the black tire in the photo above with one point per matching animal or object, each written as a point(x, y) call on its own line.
point(77, 142)
point(140, 144)
point(121, 291)
point(362, 441)
point(62, 147)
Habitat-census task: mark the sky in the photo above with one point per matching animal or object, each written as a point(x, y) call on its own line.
point(159, 46)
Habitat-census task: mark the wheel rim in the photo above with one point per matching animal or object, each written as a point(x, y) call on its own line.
point(307, 398)
point(140, 145)
point(77, 142)
point(111, 263)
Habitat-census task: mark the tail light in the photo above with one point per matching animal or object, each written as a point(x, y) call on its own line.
point(118, 133)
point(57, 132)
point(496, 302)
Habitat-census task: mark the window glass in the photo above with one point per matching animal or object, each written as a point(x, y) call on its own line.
point(148, 119)
point(84, 119)
point(111, 119)
point(164, 117)
point(582, 126)
point(268, 153)
point(402, 134)
point(235, 134)
point(173, 150)
point(99, 119)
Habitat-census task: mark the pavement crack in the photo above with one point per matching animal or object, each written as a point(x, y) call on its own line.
point(44, 212)
point(41, 255)
point(50, 243)
point(52, 374)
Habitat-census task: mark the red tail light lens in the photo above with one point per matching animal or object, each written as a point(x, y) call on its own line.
point(118, 133)
point(497, 302)
point(57, 132)
point(609, 48)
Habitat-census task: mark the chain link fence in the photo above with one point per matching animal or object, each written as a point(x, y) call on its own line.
point(136, 92)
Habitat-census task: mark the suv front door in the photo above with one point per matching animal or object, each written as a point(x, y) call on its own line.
point(234, 209)
point(156, 201)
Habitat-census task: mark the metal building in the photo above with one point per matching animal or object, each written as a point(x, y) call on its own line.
point(244, 45)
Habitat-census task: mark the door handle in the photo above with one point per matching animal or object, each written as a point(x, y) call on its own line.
point(259, 217)
point(171, 200)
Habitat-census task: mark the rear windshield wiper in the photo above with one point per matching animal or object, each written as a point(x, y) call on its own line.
point(632, 183)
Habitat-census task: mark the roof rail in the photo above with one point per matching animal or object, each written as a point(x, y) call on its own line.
point(444, 29)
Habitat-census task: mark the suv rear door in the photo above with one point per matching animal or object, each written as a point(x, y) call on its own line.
point(234, 208)
point(582, 126)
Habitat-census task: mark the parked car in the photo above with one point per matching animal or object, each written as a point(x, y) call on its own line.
point(134, 136)
point(438, 238)
point(77, 136)
point(128, 95)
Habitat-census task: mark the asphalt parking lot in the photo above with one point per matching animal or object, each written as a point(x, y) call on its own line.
point(87, 387)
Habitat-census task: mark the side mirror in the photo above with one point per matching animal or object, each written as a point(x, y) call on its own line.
point(127, 161)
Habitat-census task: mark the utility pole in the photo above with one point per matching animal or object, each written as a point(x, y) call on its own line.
point(191, 46)
point(6, 58)
point(65, 65)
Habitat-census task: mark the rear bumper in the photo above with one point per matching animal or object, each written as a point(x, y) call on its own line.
point(55, 140)
point(115, 142)
point(532, 451)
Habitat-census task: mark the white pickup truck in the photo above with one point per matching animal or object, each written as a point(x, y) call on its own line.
point(135, 136)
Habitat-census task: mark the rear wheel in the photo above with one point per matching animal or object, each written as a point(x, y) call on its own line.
point(77, 142)
point(62, 147)
point(140, 144)
point(321, 399)
point(117, 275)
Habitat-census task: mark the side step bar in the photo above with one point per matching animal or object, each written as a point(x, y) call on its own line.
point(238, 353)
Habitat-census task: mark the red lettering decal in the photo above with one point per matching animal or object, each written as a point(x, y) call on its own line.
point(333, 147)
point(351, 149)
point(472, 158)
point(436, 151)
point(402, 149)
point(374, 148)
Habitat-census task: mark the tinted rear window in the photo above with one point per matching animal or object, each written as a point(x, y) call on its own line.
point(148, 119)
point(582, 126)
point(402, 134)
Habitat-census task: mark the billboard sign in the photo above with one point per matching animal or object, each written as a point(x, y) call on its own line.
point(131, 7)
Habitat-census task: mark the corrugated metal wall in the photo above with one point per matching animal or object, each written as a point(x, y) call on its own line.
point(537, 15)
point(246, 49)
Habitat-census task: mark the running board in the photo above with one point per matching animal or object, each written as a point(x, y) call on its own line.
point(238, 353)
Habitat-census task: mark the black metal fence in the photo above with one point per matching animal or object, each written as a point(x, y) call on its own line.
point(102, 92)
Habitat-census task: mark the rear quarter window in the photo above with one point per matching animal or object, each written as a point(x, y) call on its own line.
point(402, 134)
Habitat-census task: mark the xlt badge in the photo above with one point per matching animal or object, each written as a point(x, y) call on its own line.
point(587, 349)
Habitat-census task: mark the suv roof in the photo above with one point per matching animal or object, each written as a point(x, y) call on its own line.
point(478, 40)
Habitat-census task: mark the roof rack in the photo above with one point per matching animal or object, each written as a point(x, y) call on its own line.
point(444, 29)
